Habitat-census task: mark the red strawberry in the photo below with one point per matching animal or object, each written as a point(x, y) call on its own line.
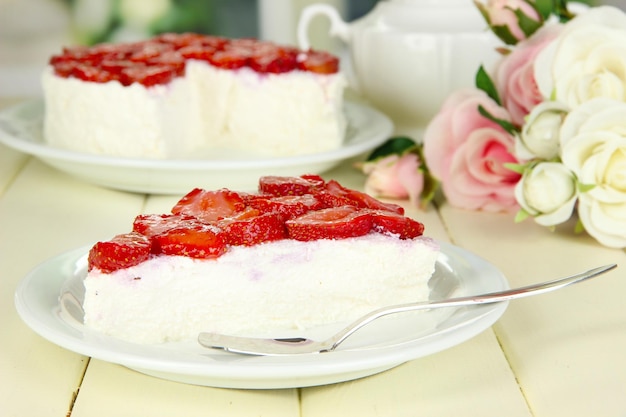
point(330, 223)
point(90, 73)
point(194, 240)
point(152, 74)
point(273, 59)
point(154, 224)
point(210, 206)
point(122, 251)
point(232, 58)
point(314, 178)
point(289, 207)
point(250, 231)
point(319, 62)
point(340, 194)
point(282, 186)
point(389, 222)
point(150, 50)
point(200, 52)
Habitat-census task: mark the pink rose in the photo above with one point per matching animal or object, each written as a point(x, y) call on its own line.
point(467, 152)
point(514, 75)
point(395, 176)
point(502, 13)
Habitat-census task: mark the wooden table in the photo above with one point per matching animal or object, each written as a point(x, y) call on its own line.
point(560, 354)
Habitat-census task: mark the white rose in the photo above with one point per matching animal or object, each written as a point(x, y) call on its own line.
point(140, 14)
point(540, 134)
point(593, 142)
point(547, 192)
point(586, 60)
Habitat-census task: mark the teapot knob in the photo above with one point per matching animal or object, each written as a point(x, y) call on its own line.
point(338, 27)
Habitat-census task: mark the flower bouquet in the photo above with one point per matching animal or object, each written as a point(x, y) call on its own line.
point(543, 132)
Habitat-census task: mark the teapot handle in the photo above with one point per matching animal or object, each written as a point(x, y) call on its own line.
point(338, 27)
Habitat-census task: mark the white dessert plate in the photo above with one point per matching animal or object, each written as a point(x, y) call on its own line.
point(21, 128)
point(382, 345)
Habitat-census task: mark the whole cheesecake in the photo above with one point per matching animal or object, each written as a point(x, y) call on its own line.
point(194, 96)
point(299, 253)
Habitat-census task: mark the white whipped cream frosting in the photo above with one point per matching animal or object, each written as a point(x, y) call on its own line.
point(269, 287)
point(205, 112)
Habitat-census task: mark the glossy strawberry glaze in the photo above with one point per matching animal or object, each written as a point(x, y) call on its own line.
point(161, 59)
point(205, 224)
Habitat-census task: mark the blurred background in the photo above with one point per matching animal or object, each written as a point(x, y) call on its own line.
point(32, 30)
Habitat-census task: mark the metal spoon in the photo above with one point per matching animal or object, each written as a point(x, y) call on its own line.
point(298, 345)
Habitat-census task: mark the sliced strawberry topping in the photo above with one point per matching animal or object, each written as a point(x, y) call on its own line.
point(289, 207)
point(161, 59)
point(315, 179)
point(330, 223)
point(338, 193)
point(194, 240)
point(210, 206)
point(253, 230)
point(273, 59)
point(283, 186)
point(153, 74)
point(89, 73)
point(122, 251)
point(199, 52)
point(319, 62)
point(203, 224)
point(389, 222)
point(153, 224)
point(232, 58)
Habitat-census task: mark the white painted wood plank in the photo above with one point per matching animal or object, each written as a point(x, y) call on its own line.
point(566, 348)
point(470, 380)
point(112, 390)
point(42, 214)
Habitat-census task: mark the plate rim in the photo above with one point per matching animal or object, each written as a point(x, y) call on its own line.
point(251, 373)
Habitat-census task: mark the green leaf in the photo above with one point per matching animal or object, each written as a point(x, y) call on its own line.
point(504, 33)
point(521, 216)
point(393, 146)
point(583, 188)
point(526, 23)
point(519, 168)
point(505, 124)
point(580, 227)
point(543, 7)
point(485, 83)
point(562, 12)
point(431, 185)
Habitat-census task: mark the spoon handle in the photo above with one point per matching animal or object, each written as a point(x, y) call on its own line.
point(493, 297)
point(259, 346)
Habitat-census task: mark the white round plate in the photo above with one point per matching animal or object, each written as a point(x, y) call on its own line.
point(21, 129)
point(384, 344)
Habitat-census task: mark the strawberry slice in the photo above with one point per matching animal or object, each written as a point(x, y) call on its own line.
point(122, 251)
point(273, 59)
point(389, 222)
point(231, 58)
point(283, 186)
point(253, 230)
point(154, 224)
point(319, 62)
point(209, 206)
point(330, 223)
point(153, 74)
point(194, 240)
point(289, 207)
point(337, 195)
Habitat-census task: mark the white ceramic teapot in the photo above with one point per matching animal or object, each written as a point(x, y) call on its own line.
point(407, 56)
